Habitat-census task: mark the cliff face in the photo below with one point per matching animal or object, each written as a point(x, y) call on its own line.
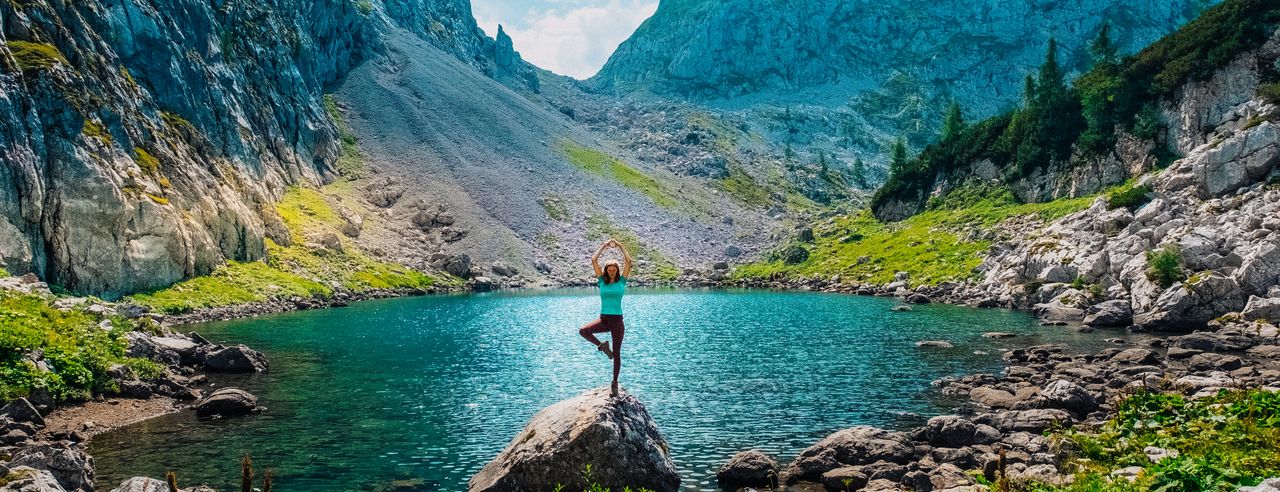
point(143, 142)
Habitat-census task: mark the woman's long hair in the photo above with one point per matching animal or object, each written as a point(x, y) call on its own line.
point(604, 274)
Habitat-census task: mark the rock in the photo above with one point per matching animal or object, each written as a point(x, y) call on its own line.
point(950, 431)
point(1129, 473)
point(1135, 356)
point(794, 254)
point(992, 398)
point(1109, 313)
point(1155, 454)
point(186, 349)
point(998, 334)
point(900, 308)
point(615, 435)
point(70, 466)
point(934, 343)
point(861, 445)
point(948, 476)
point(21, 410)
point(1042, 473)
point(458, 265)
point(237, 359)
point(504, 270)
point(845, 478)
point(139, 344)
point(1268, 485)
point(750, 468)
point(1265, 351)
point(330, 241)
point(732, 251)
point(918, 299)
point(142, 484)
point(1195, 384)
point(1034, 421)
point(1061, 393)
point(1211, 342)
point(720, 265)
point(1213, 361)
point(352, 225)
point(1057, 312)
point(481, 284)
point(1193, 303)
point(227, 402)
point(28, 479)
point(1262, 308)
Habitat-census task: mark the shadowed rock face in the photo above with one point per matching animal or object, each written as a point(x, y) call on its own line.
point(149, 141)
point(615, 436)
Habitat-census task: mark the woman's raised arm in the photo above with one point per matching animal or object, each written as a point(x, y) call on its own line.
point(626, 260)
point(595, 259)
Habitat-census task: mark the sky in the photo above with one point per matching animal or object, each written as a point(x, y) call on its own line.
point(568, 37)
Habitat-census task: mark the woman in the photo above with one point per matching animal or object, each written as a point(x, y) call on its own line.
point(612, 281)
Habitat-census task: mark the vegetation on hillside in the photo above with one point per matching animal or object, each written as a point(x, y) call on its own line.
point(935, 246)
point(1056, 119)
point(601, 164)
point(303, 269)
point(1221, 442)
point(79, 346)
point(350, 161)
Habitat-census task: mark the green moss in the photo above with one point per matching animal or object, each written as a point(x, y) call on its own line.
point(350, 160)
point(147, 162)
point(79, 351)
point(555, 207)
point(290, 271)
point(1128, 195)
point(35, 56)
point(600, 228)
point(128, 77)
point(1223, 442)
point(601, 164)
point(932, 246)
point(93, 129)
point(173, 120)
point(365, 7)
point(158, 199)
point(744, 188)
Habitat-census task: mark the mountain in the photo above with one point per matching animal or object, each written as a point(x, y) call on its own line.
point(151, 142)
point(849, 77)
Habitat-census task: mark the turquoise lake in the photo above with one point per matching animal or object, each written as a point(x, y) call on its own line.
point(419, 393)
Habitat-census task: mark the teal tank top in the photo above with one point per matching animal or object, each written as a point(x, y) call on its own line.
point(611, 295)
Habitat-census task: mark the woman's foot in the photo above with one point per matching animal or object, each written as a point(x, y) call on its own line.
point(604, 347)
point(613, 390)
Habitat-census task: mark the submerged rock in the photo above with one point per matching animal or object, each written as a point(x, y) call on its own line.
point(227, 402)
point(237, 359)
point(613, 435)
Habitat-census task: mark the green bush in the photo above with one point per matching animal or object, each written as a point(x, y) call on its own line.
point(1164, 267)
point(1129, 196)
point(76, 349)
point(1270, 92)
point(1223, 442)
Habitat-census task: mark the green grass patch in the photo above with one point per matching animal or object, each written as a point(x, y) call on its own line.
point(35, 56)
point(298, 270)
point(1223, 442)
point(350, 160)
point(4, 273)
point(930, 246)
point(601, 164)
point(600, 228)
point(744, 188)
point(1270, 92)
point(147, 162)
point(76, 348)
point(93, 129)
point(1128, 195)
point(176, 122)
point(1164, 267)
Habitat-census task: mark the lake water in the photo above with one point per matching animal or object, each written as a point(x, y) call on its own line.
point(419, 393)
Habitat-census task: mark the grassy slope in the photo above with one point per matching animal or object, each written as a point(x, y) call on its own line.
point(1223, 442)
point(76, 346)
point(930, 246)
point(601, 164)
point(300, 270)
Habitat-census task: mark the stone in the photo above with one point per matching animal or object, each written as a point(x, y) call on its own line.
point(227, 402)
point(1034, 420)
point(142, 484)
point(949, 431)
point(1192, 304)
point(237, 359)
point(1212, 342)
point(732, 251)
point(992, 398)
point(1268, 485)
point(998, 334)
point(1109, 313)
point(844, 478)
point(1065, 394)
point(615, 435)
point(21, 410)
point(750, 468)
point(861, 445)
point(28, 479)
point(918, 298)
point(1262, 308)
point(139, 344)
point(1057, 312)
point(1212, 361)
point(934, 343)
point(1155, 454)
point(458, 265)
point(69, 465)
point(949, 476)
point(503, 270)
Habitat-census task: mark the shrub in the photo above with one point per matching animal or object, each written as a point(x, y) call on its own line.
point(1128, 196)
point(794, 254)
point(1164, 267)
point(1270, 92)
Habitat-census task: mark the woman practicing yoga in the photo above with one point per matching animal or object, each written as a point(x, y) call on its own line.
point(612, 281)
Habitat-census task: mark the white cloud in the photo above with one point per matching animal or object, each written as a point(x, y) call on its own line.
point(573, 41)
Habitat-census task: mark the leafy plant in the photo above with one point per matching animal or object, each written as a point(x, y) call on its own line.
point(1128, 196)
point(1164, 267)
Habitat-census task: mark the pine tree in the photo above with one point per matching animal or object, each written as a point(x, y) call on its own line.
point(1104, 50)
point(898, 163)
point(1051, 85)
point(953, 124)
point(860, 173)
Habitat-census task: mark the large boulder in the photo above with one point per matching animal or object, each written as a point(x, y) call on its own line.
point(142, 484)
point(139, 344)
point(1192, 304)
point(21, 410)
point(69, 465)
point(227, 402)
point(614, 435)
point(28, 479)
point(237, 359)
point(1262, 308)
point(1034, 421)
point(1211, 342)
point(950, 431)
point(1061, 393)
point(861, 445)
point(750, 468)
point(1109, 313)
